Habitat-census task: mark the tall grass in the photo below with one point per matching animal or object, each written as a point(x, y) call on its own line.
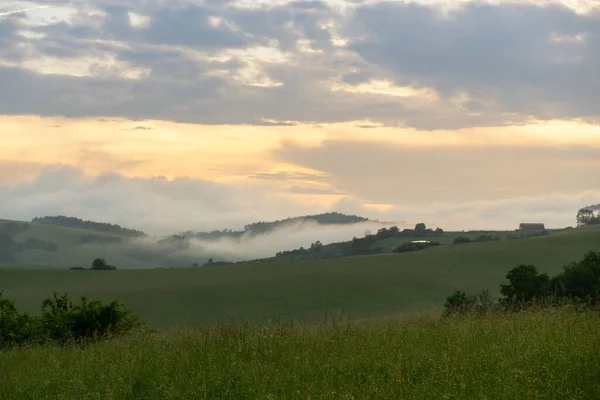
point(543, 354)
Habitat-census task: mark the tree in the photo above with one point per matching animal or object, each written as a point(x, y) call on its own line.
point(525, 285)
point(420, 229)
point(580, 280)
point(99, 264)
point(459, 303)
point(585, 216)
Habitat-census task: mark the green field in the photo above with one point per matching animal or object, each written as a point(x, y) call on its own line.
point(360, 287)
point(544, 354)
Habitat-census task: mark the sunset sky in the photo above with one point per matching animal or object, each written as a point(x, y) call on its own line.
point(169, 115)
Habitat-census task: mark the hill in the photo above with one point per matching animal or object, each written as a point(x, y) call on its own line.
point(388, 240)
point(72, 242)
point(264, 228)
point(73, 222)
point(361, 287)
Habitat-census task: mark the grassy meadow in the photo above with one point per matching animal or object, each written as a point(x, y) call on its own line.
point(544, 354)
point(359, 287)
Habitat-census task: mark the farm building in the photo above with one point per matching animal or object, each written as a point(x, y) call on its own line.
point(531, 227)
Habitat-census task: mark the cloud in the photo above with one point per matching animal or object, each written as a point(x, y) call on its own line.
point(162, 206)
point(284, 63)
point(156, 204)
point(385, 173)
point(21, 11)
point(289, 176)
point(502, 56)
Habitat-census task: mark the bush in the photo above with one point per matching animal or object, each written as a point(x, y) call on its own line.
point(459, 303)
point(90, 319)
point(461, 240)
point(61, 321)
point(100, 264)
point(16, 327)
point(462, 303)
point(408, 247)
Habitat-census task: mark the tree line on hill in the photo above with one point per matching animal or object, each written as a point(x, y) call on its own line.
point(587, 216)
point(364, 245)
point(79, 223)
point(579, 283)
point(331, 218)
point(263, 228)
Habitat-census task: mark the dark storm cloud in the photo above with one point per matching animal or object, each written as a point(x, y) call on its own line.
point(500, 53)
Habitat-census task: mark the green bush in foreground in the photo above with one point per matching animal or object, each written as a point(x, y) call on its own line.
point(534, 354)
point(61, 321)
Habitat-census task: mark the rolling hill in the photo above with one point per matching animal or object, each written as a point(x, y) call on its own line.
point(64, 242)
point(361, 287)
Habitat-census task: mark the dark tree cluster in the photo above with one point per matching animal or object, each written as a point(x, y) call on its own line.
point(479, 239)
point(364, 246)
point(73, 222)
point(410, 246)
point(579, 282)
point(262, 228)
point(332, 218)
point(316, 247)
point(587, 216)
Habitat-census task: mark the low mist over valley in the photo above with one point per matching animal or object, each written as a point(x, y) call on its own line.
point(79, 241)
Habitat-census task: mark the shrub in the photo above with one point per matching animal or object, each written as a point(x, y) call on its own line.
point(16, 327)
point(408, 247)
point(90, 319)
point(61, 321)
point(459, 303)
point(461, 240)
point(485, 302)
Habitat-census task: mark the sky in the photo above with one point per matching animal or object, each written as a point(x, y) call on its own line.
point(206, 114)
